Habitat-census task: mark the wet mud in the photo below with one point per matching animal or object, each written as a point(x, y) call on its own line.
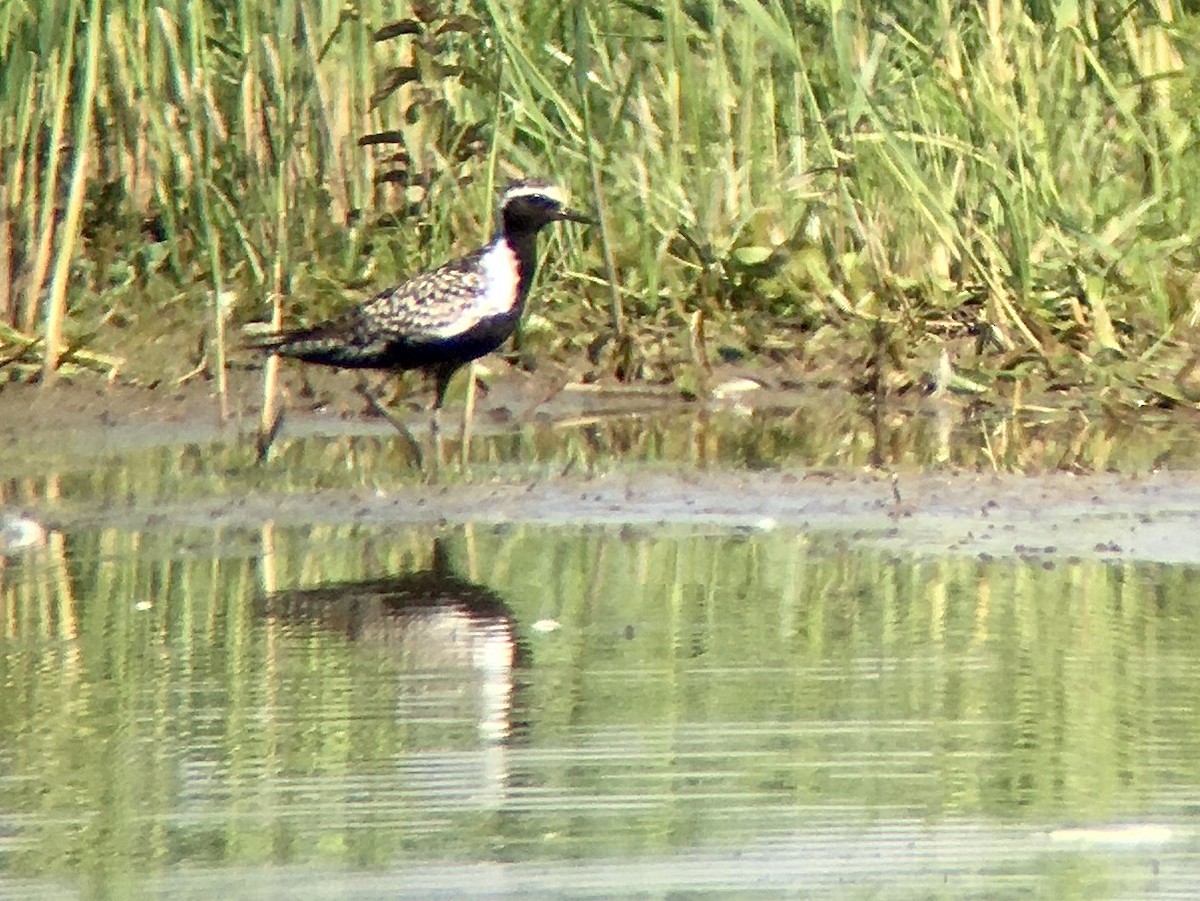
point(1050, 514)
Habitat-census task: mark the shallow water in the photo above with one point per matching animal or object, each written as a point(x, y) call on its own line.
point(321, 677)
point(532, 711)
point(118, 456)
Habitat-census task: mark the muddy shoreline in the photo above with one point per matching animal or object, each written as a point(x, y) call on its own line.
point(1050, 516)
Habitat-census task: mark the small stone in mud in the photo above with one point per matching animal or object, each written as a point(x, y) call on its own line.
point(1110, 547)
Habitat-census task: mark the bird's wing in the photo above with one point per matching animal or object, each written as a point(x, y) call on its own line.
point(427, 309)
point(432, 305)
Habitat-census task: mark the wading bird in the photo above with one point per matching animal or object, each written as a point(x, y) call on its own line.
point(440, 320)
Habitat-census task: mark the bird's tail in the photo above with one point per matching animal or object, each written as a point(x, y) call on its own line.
point(296, 342)
point(258, 336)
point(324, 344)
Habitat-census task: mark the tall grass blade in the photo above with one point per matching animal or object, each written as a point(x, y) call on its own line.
point(68, 233)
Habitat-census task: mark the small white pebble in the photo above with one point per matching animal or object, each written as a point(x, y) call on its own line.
point(143, 605)
point(546, 625)
point(735, 386)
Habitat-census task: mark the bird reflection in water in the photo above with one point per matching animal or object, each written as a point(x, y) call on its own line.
point(457, 652)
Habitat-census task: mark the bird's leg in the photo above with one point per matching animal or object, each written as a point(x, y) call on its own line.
point(363, 390)
point(384, 394)
point(411, 443)
point(441, 381)
point(442, 376)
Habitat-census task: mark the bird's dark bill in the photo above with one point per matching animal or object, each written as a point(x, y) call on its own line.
point(576, 216)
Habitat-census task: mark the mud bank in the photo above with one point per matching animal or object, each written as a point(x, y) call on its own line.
point(1046, 517)
point(749, 483)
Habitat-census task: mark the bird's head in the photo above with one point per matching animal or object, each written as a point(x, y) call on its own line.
point(526, 206)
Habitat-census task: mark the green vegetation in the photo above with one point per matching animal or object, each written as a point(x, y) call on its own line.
point(999, 195)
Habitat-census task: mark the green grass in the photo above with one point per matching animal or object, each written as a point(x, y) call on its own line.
point(860, 184)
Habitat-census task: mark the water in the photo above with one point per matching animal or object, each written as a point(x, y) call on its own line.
point(333, 694)
point(528, 711)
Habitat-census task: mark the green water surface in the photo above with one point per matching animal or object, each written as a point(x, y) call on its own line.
point(528, 711)
point(338, 709)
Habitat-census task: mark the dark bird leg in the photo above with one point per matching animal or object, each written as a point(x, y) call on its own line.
point(442, 376)
point(411, 444)
point(441, 382)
